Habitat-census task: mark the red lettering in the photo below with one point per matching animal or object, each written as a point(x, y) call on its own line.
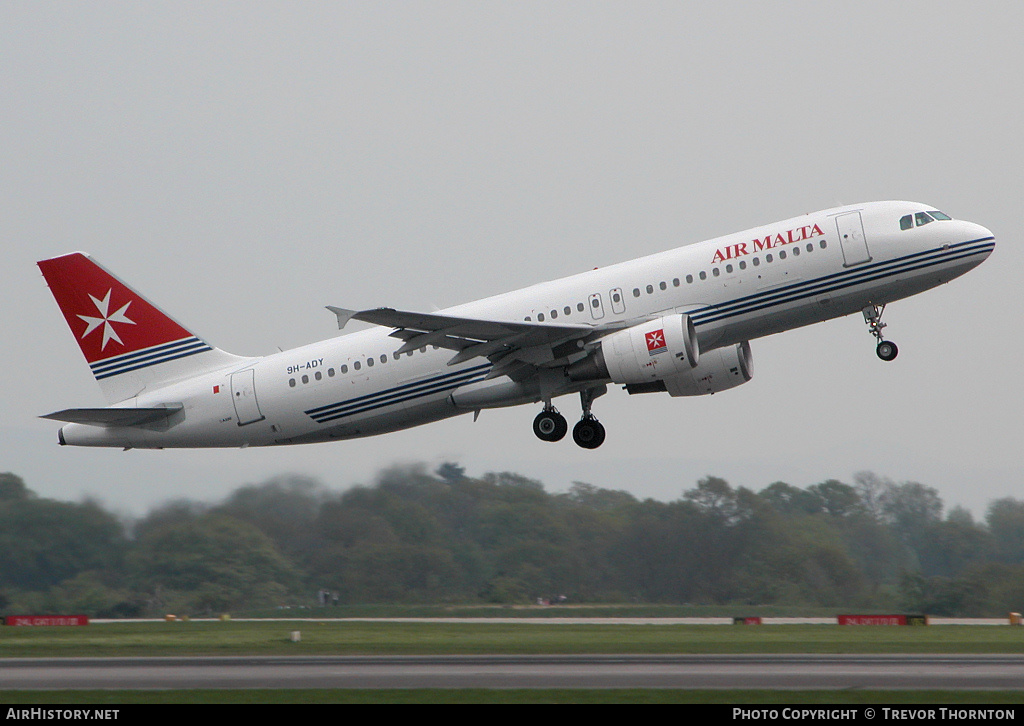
point(790, 236)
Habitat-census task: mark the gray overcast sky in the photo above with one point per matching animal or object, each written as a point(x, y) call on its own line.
point(245, 164)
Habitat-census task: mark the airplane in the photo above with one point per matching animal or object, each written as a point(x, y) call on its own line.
point(676, 322)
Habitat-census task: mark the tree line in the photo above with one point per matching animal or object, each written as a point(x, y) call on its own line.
point(417, 536)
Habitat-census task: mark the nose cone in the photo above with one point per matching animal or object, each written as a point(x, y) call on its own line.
point(981, 233)
point(978, 242)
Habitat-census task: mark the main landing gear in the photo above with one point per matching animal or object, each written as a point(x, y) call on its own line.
point(886, 349)
point(550, 425)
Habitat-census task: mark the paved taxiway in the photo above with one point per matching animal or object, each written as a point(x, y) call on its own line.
point(553, 671)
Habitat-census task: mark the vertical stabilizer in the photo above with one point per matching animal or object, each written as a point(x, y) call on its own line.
point(129, 343)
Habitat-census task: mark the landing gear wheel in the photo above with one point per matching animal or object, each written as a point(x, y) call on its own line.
point(588, 433)
point(887, 350)
point(550, 425)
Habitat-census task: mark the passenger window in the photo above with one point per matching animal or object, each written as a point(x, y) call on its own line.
point(540, 317)
point(650, 289)
point(796, 251)
point(579, 306)
point(922, 218)
point(703, 275)
point(330, 373)
point(636, 292)
point(823, 244)
point(810, 247)
point(907, 221)
point(344, 369)
point(663, 286)
point(728, 268)
point(716, 272)
point(291, 382)
point(782, 254)
point(675, 282)
point(757, 261)
point(689, 279)
point(369, 362)
point(554, 314)
point(527, 318)
point(743, 264)
point(318, 375)
point(568, 310)
point(305, 379)
point(767, 258)
point(384, 358)
point(356, 365)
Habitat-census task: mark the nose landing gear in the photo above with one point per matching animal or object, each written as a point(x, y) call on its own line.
point(886, 349)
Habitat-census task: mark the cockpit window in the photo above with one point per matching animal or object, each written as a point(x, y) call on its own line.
point(907, 221)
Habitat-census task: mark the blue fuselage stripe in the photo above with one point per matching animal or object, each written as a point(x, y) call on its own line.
point(398, 394)
point(841, 280)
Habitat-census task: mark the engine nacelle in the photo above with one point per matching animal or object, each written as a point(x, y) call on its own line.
point(719, 370)
point(652, 351)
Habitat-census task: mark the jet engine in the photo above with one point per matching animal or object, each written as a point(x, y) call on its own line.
point(653, 351)
point(718, 370)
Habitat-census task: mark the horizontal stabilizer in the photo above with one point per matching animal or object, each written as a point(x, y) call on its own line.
point(116, 416)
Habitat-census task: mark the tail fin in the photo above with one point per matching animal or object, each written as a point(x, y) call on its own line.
point(129, 343)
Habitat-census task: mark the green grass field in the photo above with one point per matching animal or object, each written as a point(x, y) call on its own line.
point(383, 638)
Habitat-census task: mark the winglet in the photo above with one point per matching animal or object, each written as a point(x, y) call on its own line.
point(343, 315)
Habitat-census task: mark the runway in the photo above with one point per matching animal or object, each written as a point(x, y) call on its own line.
point(946, 672)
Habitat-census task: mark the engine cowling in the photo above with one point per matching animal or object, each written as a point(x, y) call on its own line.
point(653, 351)
point(718, 370)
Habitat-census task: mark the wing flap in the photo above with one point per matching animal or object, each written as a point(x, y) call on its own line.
point(506, 343)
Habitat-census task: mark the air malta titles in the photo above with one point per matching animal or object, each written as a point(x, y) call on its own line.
point(799, 234)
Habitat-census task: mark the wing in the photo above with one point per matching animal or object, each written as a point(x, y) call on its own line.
point(509, 345)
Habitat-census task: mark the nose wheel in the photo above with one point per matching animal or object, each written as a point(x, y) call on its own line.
point(886, 349)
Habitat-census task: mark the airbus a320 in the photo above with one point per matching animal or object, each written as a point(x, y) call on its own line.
point(677, 322)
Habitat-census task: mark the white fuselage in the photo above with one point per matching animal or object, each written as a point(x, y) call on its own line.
point(734, 288)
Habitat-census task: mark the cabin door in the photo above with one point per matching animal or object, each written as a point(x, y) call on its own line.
point(851, 237)
point(243, 395)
